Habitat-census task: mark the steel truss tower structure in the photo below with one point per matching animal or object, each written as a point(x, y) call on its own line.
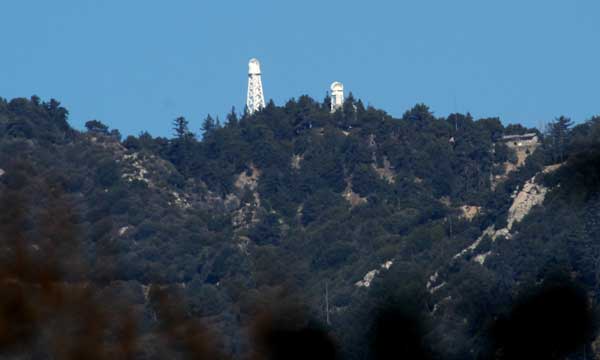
point(256, 98)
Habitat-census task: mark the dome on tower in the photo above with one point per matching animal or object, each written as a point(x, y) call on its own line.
point(337, 86)
point(254, 67)
point(337, 96)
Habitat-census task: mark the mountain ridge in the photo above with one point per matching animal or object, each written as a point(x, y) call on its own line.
point(294, 199)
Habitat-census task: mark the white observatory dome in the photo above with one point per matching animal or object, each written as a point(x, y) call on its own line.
point(337, 86)
point(254, 67)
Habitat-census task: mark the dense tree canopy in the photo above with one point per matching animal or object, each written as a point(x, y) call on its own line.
point(296, 203)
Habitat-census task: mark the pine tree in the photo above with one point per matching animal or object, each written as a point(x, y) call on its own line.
point(558, 132)
point(232, 118)
point(327, 101)
point(181, 148)
point(180, 126)
point(208, 126)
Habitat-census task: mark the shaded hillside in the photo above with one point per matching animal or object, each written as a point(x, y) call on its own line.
point(337, 212)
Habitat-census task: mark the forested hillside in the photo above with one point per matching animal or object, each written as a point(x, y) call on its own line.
point(300, 219)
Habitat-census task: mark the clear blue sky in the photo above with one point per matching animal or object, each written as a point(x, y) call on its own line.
point(137, 64)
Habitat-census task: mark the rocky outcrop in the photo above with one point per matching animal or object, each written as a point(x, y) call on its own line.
point(469, 212)
point(482, 257)
point(248, 181)
point(246, 215)
point(134, 168)
point(371, 143)
point(525, 199)
point(353, 198)
point(522, 151)
point(386, 172)
point(532, 194)
point(123, 230)
point(180, 200)
point(146, 168)
point(370, 276)
point(154, 171)
point(295, 162)
point(242, 243)
point(488, 232)
point(432, 284)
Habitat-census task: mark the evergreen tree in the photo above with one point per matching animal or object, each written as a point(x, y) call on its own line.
point(180, 150)
point(232, 118)
point(558, 134)
point(182, 131)
point(208, 126)
point(96, 126)
point(349, 106)
point(419, 112)
point(327, 101)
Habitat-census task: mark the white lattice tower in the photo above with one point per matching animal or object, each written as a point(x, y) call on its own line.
point(256, 98)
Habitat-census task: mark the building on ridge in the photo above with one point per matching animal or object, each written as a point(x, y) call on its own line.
point(337, 96)
point(529, 140)
point(256, 99)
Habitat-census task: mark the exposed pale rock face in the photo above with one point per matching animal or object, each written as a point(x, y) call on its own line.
point(490, 231)
point(353, 198)
point(300, 211)
point(295, 163)
point(469, 212)
point(531, 195)
point(146, 291)
point(245, 181)
point(152, 170)
point(2, 172)
point(367, 279)
point(231, 202)
point(242, 243)
point(522, 151)
point(180, 201)
point(247, 216)
point(482, 257)
point(552, 168)
point(386, 172)
point(432, 280)
point(431, 283)
point(370, 276)
point(446, 201)
point(123, 230)
point(434, 289)
point(387, 265)
point(136, 169)
point(247, 213)
point(437, 306)
point(524, 200)
point(371, 142)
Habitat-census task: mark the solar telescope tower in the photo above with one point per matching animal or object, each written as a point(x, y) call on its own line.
point(256, 98)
